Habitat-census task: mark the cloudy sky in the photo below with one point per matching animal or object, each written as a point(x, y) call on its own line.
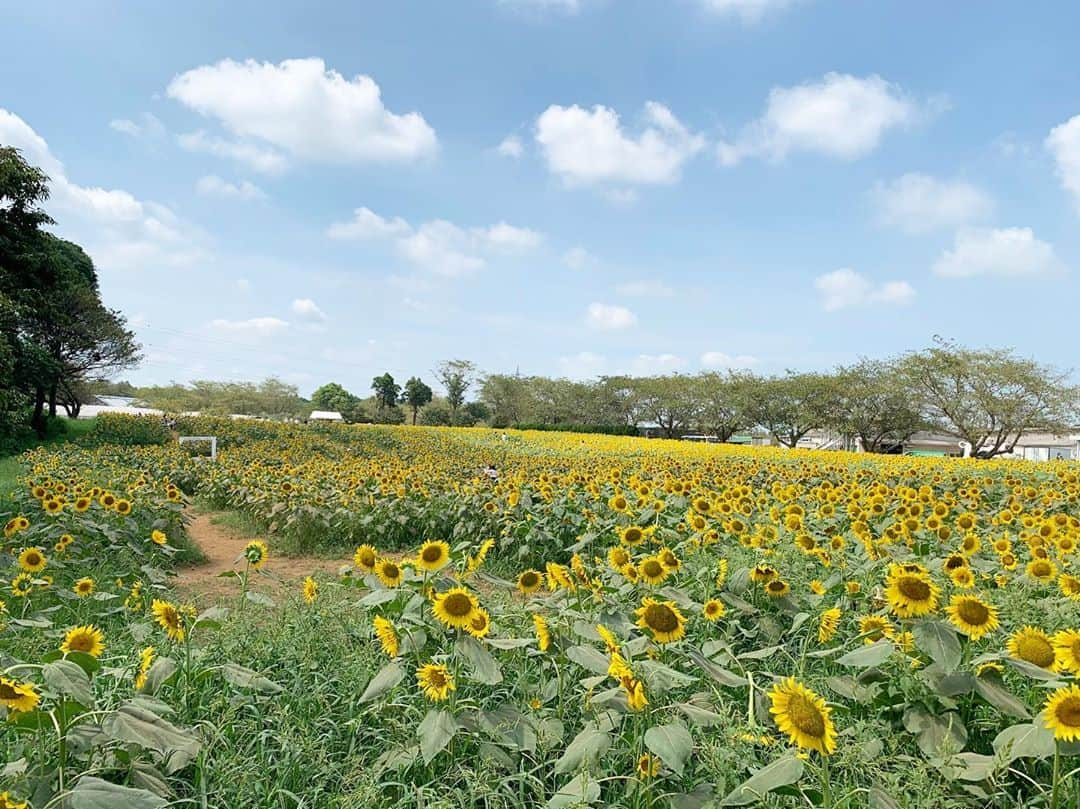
point(326, 191)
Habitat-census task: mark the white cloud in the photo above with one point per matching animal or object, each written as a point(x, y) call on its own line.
point(749, 11)
point(258, 158)
point(511, 146)
point(654, 364)
point(609, 318)
point(997, 251)
point(307, 310)
point(718, 359)
point(645, 289)
point(255, 327)
point(917, 203)
point(242, 285)
point(567, 6)
point(583, 365)
point(213, 186)
point(1064, 143)
point(440, 246)
point(590, 147)
point(366, 224)
point(118, 230)
point(304, 109)
point(845, 288)
point(840, 116)
point(148, 125)
point(578, 258)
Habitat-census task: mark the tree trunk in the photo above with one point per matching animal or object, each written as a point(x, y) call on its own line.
point(414, 411)
point(52, 401)
point(37, 421)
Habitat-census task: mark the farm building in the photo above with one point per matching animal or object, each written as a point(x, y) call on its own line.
point(327, 416)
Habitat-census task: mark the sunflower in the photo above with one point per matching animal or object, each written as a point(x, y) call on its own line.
point(87, 639)
point(530, 581)
point(169, 618)
point(63, 543)
point(310, 590)
point(875, 627)
point(433, 555)
point(618, 557)
point(721, 574)
point(84, 587)
point(963, 577)
point(107, 500)
point(911, 595)
point(619, 503)
point(828, 624)
point(653, 570)
point(158, 537)
point(18, 697)
point(714, 609)
point(146, 659)
point(668, 559)
point(631, 535)
point(455, 607)
point(662, 619)
point(777, 588)
point(22, 584)
point(648, 766)
point(123, 507)
point(543, 634)
point(387, 635)
point(803, 716)
point(972, 616)
point(1032, 645)
point(436, 681)
point(1061, 713)
point(763, 573)
point(1008, 561)
point(53, 506)
point(1070, 586)
point(390, 573)
point(256, 553)
point(32, 560)
point(479, 623)
point(82, 504)
point(1041, 569)
point(1067, 651)
point(817, 587)
point(365, 558)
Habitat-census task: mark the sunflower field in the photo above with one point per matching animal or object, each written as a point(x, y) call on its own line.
point(605, 621)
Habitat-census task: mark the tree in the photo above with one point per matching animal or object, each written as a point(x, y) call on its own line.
point(988, 397)
point(874, 404)
point(473, 413)
point(456, 377)
point(386, 390)
point(723, 404)
point(792, 405)
point(416, 395)
point(670, 401)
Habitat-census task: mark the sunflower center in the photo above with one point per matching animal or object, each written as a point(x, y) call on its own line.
point(80, 643)
point(1068, 712)
point(660, 618)
point(530, 579)
point(914, 588)
point(432, 553)
point(652, 568)
point(805, 716)
point(7, 692)
point(457, 604)
point(437, 678)
point(776, 586)
point(633, 534)
point(390, 570)
point(973, 612)
point(1074, 649)
point(367, 558)
point(1036, 650)
point(1041, 568)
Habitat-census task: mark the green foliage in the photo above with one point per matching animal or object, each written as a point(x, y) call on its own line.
point(129, 431)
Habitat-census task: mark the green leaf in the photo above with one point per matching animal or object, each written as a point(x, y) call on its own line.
point(991, 688)
point(485, 669)
point(672, 743)
point(880, 799)
point(396, 759)
point(698, 715)
point(591, 743)
point(588, 658)
point(867, 656)
point(133, 723)
point(575, 792)
point(939, 640)
point(159, 673)
point(69, 679)
point(661, 678)
point(1031, 670)
point(1029, 740)
point(781, 773)
point(94, 793)
point(389, 676)
point(718, 673)
point(87, 663)
point(435, 732)
point(261, 599)
point(246, 678)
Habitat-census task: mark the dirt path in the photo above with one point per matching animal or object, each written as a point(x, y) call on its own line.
point(222, 545)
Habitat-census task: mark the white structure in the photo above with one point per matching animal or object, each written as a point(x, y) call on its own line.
point(326, 415)
point(92, 411)
point(188, 439)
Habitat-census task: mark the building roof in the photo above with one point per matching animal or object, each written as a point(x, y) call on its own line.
point(325, 415)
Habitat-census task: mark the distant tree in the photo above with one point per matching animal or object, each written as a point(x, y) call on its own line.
point(989, 397)
point(386, 390)
point(436, 414)
point(456, 377)
point(472, 413)
point(792, 405)
point(670, 401)
point(416, 394)
point(335, 398)
point(722, 403)
point(509, 398)
point(874, 403)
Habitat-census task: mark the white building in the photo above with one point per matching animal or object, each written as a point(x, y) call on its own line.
point(326, 415)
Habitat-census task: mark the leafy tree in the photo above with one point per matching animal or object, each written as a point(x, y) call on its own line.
point(988, 397)
point(670, 401)
point(472, 413)
point(723, 403)
point(457, 377)
point(437, 414)
point(386, 390)
point(874, 404)
point(792, 405)
point(416, 395)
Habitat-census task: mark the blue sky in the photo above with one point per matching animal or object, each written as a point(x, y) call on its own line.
point(326, 191)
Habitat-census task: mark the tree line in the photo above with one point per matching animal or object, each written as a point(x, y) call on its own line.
point(56, 335)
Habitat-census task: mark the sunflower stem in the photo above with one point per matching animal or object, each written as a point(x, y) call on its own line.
point(826, 787)
point(1057, 775)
